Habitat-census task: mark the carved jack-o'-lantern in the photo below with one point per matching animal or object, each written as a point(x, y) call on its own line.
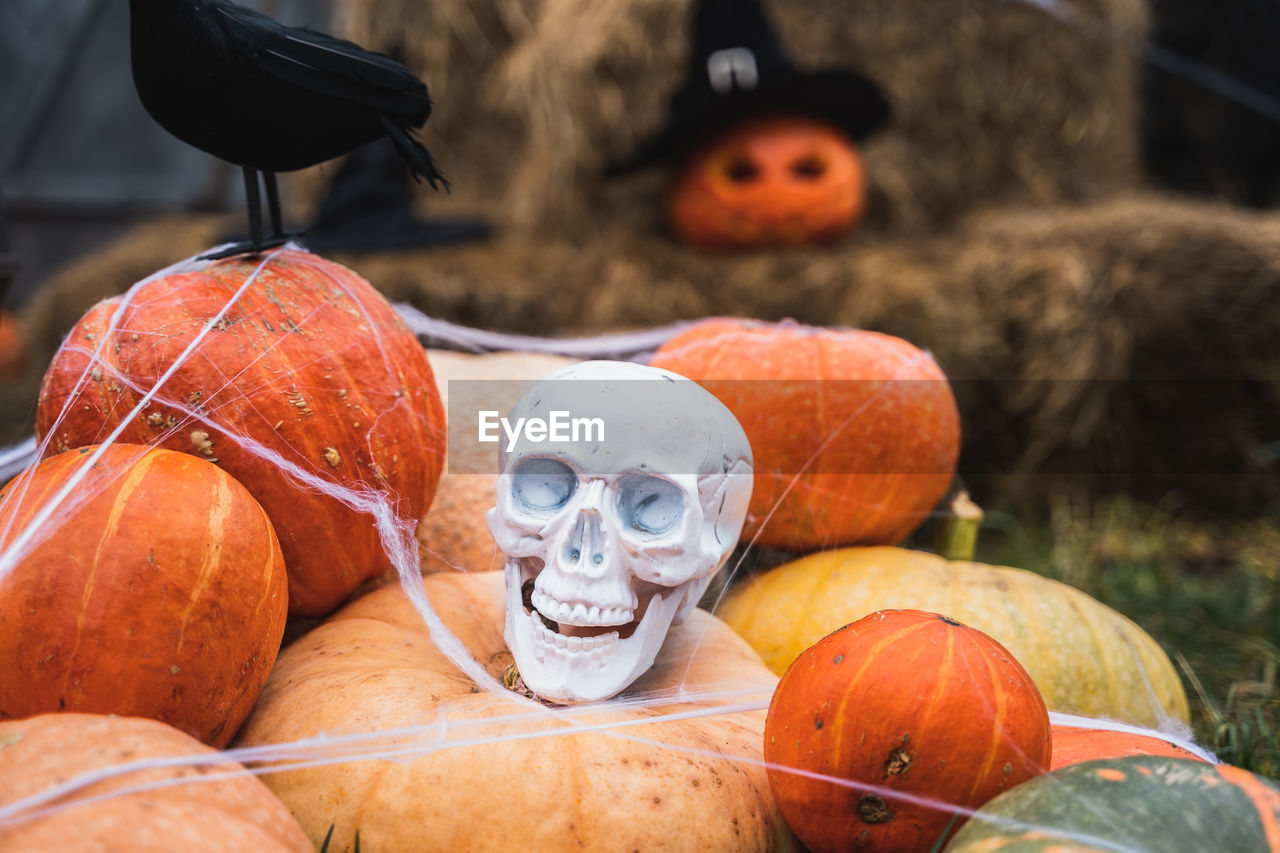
point(779, 180)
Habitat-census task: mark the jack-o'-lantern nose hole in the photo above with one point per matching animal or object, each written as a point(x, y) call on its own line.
point(809, 168)
point(741, 170)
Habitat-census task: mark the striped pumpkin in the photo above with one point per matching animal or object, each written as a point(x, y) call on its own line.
point(156, 588)
point(902, 715)
point(1085, 657)
point(1148, 803)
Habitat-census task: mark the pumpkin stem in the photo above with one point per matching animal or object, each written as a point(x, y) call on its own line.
point(956, 536)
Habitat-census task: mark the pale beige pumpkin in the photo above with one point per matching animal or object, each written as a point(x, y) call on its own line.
point(213, 807)
point(372, 667)
point(452, 534)
point(1083, 656)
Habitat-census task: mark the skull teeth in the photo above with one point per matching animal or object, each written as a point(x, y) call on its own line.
point(570, 644)
point(580, 613)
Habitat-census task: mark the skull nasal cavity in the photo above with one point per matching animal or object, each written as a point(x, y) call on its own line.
point(585, 547)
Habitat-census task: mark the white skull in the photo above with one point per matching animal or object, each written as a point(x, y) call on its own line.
point(610, 542)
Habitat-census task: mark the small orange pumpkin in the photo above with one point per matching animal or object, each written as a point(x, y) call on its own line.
point(778, 180)
point(909, 707)
point(158, 591)
point(11, 358)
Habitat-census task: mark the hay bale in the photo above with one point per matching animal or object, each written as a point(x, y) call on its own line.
point(995, 103)
point(1064, 328)
point(1127, 343)
point(1141, 335)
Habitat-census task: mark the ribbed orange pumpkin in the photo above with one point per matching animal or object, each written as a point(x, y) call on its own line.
point(901, 702)
point(173, 806)
point(156, 589)
point(309, 362)
point(777, 180)
point(856, 434)
point(1073, 744)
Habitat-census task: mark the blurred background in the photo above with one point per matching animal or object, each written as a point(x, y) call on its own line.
point(81, 162)
point(1070, 203)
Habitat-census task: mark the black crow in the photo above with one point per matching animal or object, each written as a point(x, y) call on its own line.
point(270, 98)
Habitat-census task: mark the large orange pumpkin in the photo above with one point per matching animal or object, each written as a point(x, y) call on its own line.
point(856, 434)
point(156, 589)
point(176, 805)
point(487, 772)
point(776, 180)
point(309, 362)
point(905, 707)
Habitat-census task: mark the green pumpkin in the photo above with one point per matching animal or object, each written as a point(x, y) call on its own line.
point(1147, 803)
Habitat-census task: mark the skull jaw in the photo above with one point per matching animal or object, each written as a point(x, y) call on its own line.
point(572, 670)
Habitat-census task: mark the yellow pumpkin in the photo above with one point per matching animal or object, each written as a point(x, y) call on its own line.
point(638, 783)
point(1083, 656)
point(777, 180)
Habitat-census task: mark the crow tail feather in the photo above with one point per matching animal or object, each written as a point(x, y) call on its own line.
point(415, 154)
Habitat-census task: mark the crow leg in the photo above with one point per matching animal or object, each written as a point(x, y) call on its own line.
point(273, 204)
point(254, 200)
point(257, 242)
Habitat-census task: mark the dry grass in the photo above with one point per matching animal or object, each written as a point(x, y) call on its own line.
point(1208, 589)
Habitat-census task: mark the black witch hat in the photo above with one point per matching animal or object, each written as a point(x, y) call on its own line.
point(369, 208)
point(738, 69)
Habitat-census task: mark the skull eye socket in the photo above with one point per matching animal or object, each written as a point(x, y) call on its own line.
point(543, 485)
point(650, 504)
